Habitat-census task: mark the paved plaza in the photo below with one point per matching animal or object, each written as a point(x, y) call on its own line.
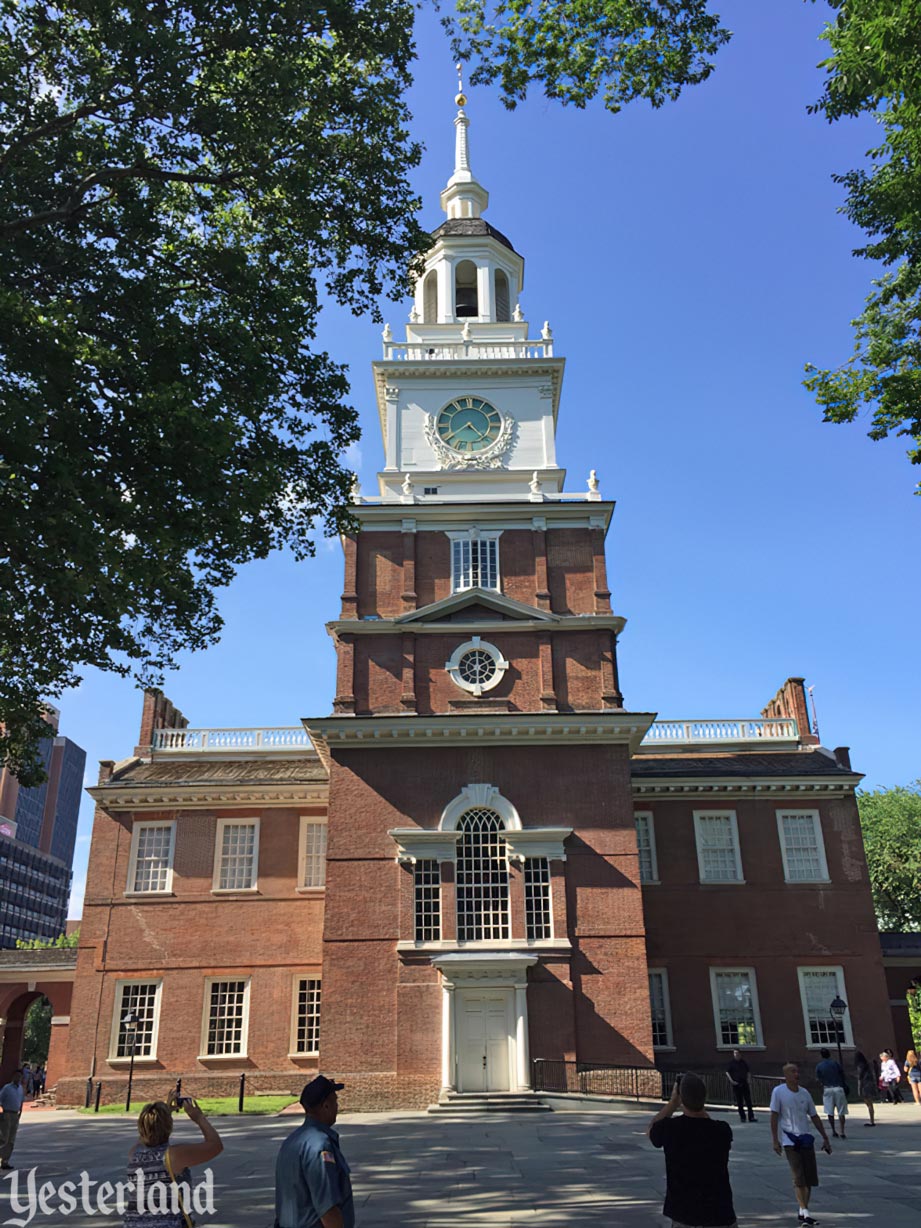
point(573, 1167)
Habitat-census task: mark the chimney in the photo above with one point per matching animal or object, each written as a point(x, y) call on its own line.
point(843, 756)
point(106, 767)
point(790, 701)
point(157, 713)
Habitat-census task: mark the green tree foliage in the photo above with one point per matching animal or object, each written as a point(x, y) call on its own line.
point(576, 49)
point(180, 187)
point(36, 1032)
point(891, 822)
point(875, 68)
point(62, 942)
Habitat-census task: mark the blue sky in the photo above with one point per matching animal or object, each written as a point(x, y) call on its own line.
point(690, 261)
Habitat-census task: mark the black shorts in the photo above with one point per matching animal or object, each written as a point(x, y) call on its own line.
point(803, 1166)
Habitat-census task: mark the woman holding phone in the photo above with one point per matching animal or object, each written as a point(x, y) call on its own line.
point(160, 1168)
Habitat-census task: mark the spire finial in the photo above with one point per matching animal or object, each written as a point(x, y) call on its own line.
point(463, 196)
point(461, 98)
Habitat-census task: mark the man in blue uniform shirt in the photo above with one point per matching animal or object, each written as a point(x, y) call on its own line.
point(312, 1185)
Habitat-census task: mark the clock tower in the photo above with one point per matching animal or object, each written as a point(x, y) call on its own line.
point(482, 898)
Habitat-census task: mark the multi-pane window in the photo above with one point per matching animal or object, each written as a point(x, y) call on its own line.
point(427, 892)
point(152, 857)
point(313, 854)
point(482, 877)
point(718, 846)
point(646, 846)
point(140, 999)
point(236, 846)
point(307, 1015)
point(735, 1007)
point(802, 847)
point(474, 563)
point(659, 1008)
point(818, 989)
point(537, 897)
point(225, 1024)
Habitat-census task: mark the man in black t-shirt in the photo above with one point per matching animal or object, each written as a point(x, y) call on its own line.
point(737, 1072)
point(697, 1189)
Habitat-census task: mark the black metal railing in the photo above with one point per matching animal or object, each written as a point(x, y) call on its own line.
point(636, 1082)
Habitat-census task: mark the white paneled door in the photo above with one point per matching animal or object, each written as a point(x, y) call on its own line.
point(484, 1023)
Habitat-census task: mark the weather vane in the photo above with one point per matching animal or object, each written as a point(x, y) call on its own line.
point(461, 96)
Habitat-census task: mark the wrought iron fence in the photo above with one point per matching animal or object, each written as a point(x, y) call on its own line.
point(637, 1082)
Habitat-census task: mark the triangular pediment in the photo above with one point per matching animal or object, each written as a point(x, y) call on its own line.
point(477, 605)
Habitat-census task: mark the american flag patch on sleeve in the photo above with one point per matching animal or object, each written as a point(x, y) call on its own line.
point(328, 1157)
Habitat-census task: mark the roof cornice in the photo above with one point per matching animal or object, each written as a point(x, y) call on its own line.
point(341, 734)
point(499, 626)
point(801, 786)
point(441, 516)
point(157, 795)
point(385, 370)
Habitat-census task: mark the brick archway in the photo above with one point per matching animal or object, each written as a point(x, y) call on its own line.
point(24, 977)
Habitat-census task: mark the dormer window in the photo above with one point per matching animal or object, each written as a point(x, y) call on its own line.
point(474, 560)
point(466, 302)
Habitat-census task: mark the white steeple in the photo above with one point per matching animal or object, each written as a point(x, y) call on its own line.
point(463, 196)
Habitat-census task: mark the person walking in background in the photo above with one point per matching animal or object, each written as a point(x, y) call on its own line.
point(697, 1189)
point(40, 1077)
point(792, 1113)
point(312, 1182)
point(889, 1077)
point(27, 1079)
point(867, 1085)
point(737, 1073)
point(912, 1069)
point(830, 1075)
point(163, 1165)
point(11, 1098)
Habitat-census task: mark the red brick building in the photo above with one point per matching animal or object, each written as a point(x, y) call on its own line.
point(482, 856)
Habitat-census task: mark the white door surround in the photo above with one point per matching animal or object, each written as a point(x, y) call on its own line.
point(484, 1021)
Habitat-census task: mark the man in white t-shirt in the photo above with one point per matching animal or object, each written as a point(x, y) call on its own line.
point(792, 1114)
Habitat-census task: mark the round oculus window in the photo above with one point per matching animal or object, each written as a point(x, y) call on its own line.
point(476, 666)
point(468, 425)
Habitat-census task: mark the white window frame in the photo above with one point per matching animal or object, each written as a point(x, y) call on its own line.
point(669, 1033)
point(140, 824)
point(737, 848)
point(838, 970)
point(475, 535)
point(651, 829)
point(476, 644)
point(819, 840)
point(308, 820)
point(242, 821)
point(203, 1054)
point(756, 1009)
point(295, 983)
point(117, 1012)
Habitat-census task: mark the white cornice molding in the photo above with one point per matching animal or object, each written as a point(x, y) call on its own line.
point(347, 733)
point(488, 597)
point(499, 626)
point(750, 787)
point(442, 516)
point(537, 842)
point(418, 844)
point(156, 796)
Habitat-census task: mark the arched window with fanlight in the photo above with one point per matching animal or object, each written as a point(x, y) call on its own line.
point(482, 877)
point(466, 301)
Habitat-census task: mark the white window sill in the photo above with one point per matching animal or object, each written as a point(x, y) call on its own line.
point(499, 944)
point(302, 1057)
point(235, 891)
point(310, 890)
point(746, 1048)
point(149, 895)
point(806, 882)
point(665, 1048)
point(150, 1059)
point(832, 1044)
point(723, 882)
point(650, 882)
point(222, 1057)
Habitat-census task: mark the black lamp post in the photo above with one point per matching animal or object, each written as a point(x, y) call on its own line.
point(130, 1024)
point(838, 1010)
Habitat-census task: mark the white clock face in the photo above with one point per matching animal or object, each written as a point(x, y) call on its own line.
point(468, 425)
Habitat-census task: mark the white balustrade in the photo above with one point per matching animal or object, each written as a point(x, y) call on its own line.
point(205, 741)
point(782, 729)
point(450, 351)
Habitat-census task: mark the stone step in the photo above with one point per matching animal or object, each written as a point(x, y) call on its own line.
point(463, 1104)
